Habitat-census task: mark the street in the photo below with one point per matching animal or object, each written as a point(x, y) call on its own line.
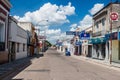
point(56, 66)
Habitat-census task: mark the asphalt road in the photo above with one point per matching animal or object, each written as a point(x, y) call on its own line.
point(56, 66)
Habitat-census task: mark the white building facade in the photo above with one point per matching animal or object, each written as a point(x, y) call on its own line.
point(17, 41)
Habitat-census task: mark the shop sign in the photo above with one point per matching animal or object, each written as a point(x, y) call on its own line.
point(72, 33)
point(113, 36)
point(84, 36)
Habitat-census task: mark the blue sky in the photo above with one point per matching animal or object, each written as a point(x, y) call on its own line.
point(72, 14)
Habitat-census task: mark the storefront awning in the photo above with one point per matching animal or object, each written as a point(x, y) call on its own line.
point(97, 40)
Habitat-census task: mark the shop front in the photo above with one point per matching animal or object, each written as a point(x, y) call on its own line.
point(99, 48)
point(115, 39)
point(78, 48)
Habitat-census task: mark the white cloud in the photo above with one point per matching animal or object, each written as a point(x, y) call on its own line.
point(96, 8)
point(52, 31)
point(17, 17)
point(86, 22)
point(51, 12)
point(55, 34)
point(48, 15)
point(73, 27)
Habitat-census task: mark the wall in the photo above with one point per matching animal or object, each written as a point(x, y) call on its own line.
point(116, 8)
point(115, 51)
point(18, 35)
point(3, 57)
point(21, 53)
point(4, 12)
point(25, 25)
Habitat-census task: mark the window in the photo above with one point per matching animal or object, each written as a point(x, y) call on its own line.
point(23, 47)
point(18, 47)
point(97, 26)
point(103, 21)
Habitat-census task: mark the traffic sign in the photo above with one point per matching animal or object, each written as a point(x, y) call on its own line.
point(114, 16)
point(69, 32)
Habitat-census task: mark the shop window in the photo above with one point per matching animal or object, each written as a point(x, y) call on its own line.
point(97, 26)
point(103, 21)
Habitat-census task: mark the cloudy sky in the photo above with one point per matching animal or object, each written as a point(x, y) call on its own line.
point(57, 16)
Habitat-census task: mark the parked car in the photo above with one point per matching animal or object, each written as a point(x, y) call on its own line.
point(67, 53)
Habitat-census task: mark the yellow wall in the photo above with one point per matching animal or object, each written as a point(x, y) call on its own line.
point(115, 51)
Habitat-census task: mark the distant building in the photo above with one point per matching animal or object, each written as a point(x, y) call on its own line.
point(86, 46)
point(5, 6)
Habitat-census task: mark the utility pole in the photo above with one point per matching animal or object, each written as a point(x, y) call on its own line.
point(110, 32)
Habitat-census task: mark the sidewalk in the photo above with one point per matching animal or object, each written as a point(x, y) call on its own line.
point(11, 67)
point(102, 63)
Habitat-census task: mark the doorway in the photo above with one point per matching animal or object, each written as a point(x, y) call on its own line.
point(12, 51)
point(89, 51)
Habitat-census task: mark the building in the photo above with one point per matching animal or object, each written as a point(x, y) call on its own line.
point(77, 43)
point(5, 6)
point(17, 40)
point(31, 41)
point(102, 31)
point(85, 36)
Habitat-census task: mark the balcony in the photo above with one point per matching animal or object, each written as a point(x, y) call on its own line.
point(2, 46)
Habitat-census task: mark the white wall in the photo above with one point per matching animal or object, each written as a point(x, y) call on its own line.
point(21, 53)
point(18, 35)
point(25, 25)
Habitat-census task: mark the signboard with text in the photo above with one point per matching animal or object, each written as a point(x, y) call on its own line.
point(72, 33)
point(84, 36)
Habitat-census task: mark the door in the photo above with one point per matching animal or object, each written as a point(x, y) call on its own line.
point(13, 54)
point(89, 51)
